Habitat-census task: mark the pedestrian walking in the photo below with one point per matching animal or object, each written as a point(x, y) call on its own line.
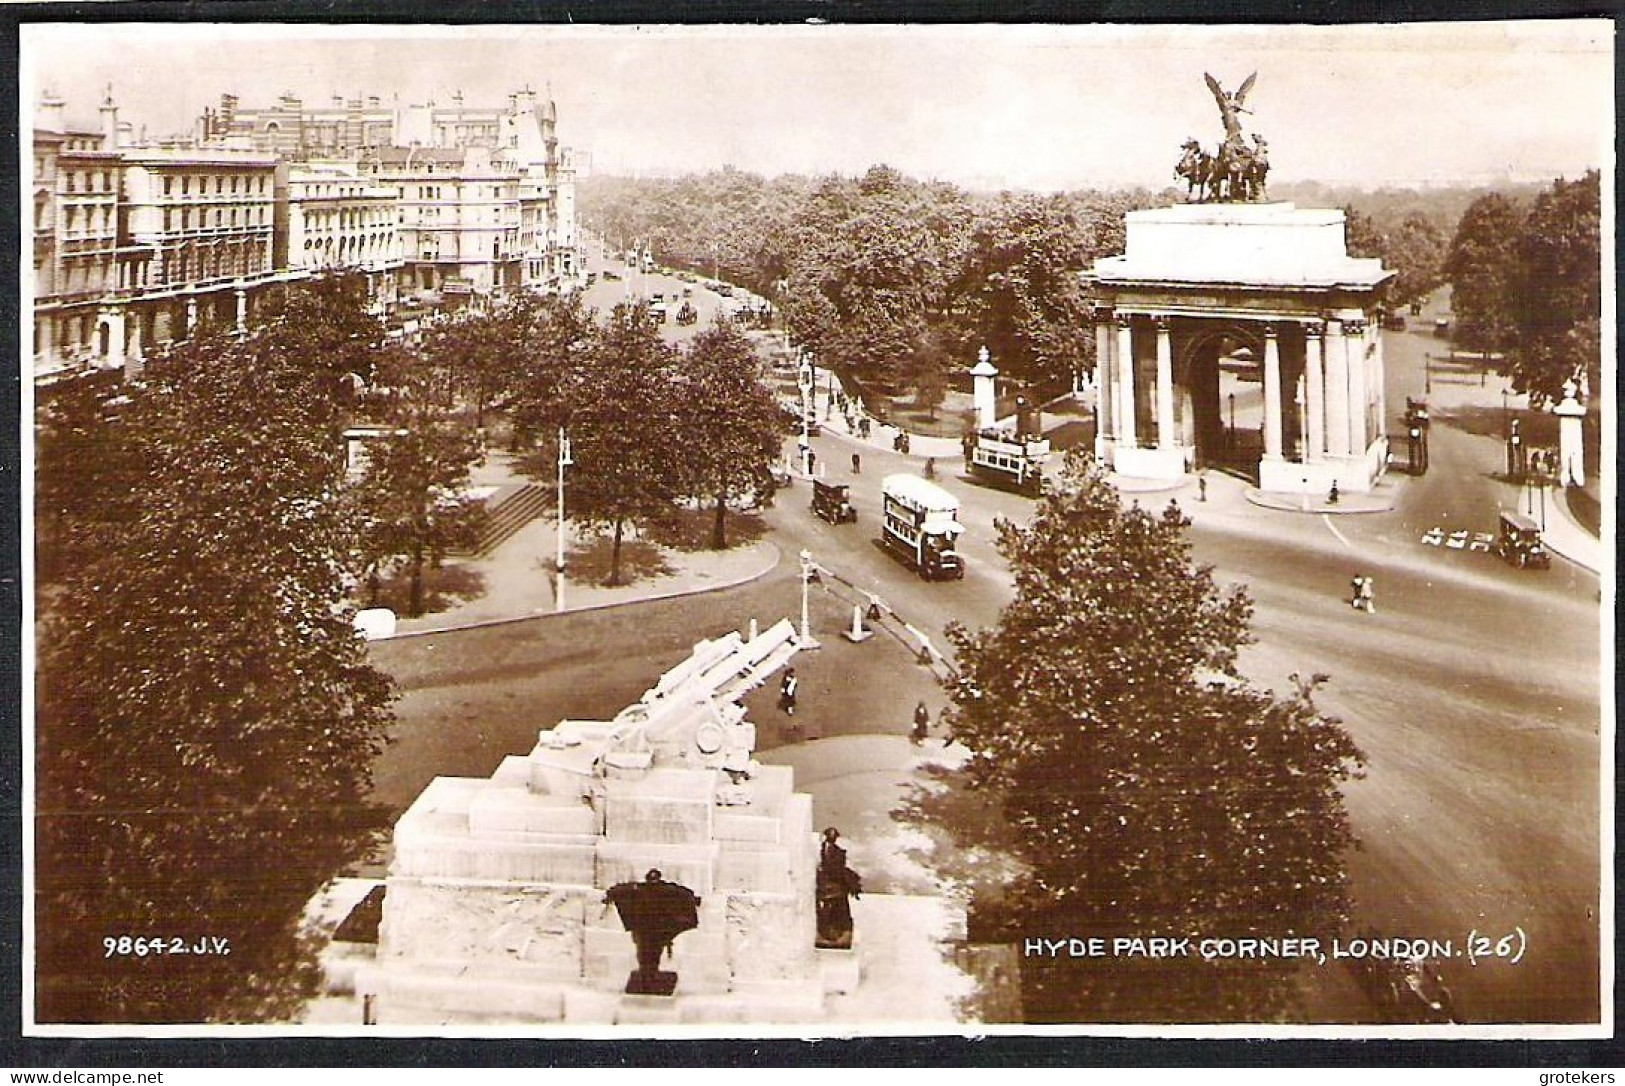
point(922, 724)
point(1368, 588)
point(1356, 586)
point(1331, 498)
point(930, 468)
point(787, 692)
point(1201, 488)
point(857, 464)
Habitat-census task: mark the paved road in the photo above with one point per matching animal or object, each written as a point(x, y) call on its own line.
point(1474, 691)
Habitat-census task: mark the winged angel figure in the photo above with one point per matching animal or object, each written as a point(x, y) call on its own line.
point(1230, 105)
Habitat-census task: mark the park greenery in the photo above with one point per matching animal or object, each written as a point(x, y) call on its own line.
point(1528, 285)
point(896, 282)
point(1145, 787)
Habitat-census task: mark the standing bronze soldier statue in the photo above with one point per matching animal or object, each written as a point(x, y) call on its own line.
point(656, 912)
point(836, 884)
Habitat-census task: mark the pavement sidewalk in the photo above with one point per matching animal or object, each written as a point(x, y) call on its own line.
point(1563, 534)
point(517, 580)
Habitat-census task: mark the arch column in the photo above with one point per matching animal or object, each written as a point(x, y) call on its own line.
point(1337, 391)
point(1314, 390)
point(1354, 342)
point(242, 311)
point(1105, 386)
point(1167, 438)
point(1272, 394)
point(1125, 381)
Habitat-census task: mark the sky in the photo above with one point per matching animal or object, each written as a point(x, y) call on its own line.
point(1041, 107)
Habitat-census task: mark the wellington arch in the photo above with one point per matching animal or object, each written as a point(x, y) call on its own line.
point(1266, 291)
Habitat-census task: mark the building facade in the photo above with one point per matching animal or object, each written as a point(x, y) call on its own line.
point(338, 219)
point(416, 148)
point(135, 245)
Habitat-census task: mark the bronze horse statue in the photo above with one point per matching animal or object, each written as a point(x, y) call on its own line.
point(1196, 167)
point(1235, 173)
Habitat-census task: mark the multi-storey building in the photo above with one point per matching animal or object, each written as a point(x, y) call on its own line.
point(135, 245)
point(338, 219)
point(459, 219)
point(417, 148)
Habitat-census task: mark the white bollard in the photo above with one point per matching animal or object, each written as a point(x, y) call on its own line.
point(858, 633)
point(752, 636)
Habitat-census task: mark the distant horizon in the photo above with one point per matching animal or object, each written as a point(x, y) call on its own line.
point(1039, 108)
point(972, 185)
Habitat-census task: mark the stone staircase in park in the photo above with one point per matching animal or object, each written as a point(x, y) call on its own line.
point(509, 509)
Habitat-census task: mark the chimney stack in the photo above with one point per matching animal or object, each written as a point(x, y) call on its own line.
point(50, 116)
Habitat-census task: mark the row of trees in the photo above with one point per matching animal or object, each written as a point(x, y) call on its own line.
point(1527, 283)
point(206, 718)
point(895, 281)
point(649, 425)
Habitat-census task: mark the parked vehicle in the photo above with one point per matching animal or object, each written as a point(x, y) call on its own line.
point(833, 502)
point(1007, 458)
point(1519, 542)
point(920, 523)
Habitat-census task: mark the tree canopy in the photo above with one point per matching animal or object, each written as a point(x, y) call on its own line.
point(1150, 789)
point(206, 719)
point(622, 430)
point(1481, 267)
point(730, 425)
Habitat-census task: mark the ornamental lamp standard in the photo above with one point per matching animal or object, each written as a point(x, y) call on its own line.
point(565, 461)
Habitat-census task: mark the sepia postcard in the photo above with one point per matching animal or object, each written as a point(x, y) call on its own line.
point(785, 531)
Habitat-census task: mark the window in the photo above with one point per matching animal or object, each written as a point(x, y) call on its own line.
point(169, 185)
point(186, 184)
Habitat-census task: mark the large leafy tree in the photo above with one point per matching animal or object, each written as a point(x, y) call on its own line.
point(1481, 267)
point(1150, 790)
point(621, 426)
point(411, 496)
point(82, 474)
point(738, 426)
point(1416, 252)
point(206, 717)
point(322, 329)
point(1027, 303)
point(550, 339)
point(1556, 291)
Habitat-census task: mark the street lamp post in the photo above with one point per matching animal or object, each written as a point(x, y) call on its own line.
point(808, 571)
point(805, 380)
point(564, 462)
point(1506, 415)
point(1230, 439)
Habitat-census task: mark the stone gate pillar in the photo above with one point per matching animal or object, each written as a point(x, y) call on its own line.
point(1354, 339)
point(1105, 385)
